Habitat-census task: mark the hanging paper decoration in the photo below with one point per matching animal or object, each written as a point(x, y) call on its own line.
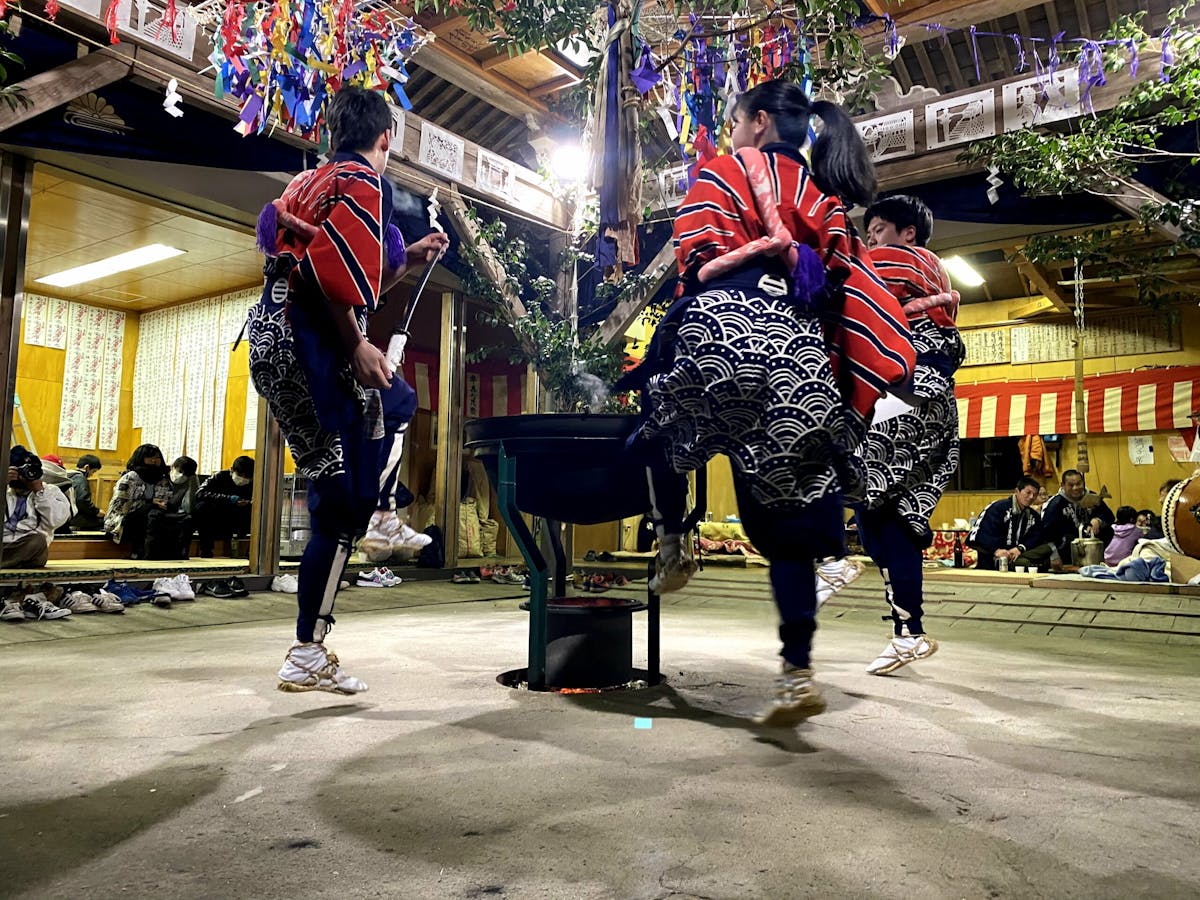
point(111, 17)
point(172, 99)
point(51, 10)
point(286, 60)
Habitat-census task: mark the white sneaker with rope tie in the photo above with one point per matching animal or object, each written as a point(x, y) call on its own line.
point(310, 667)
point(833, 575)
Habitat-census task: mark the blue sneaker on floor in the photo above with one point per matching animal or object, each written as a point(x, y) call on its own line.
point(127, 593)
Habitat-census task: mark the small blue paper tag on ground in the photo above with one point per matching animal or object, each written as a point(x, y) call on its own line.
point(643, 723)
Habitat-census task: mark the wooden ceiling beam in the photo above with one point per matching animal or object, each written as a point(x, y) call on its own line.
point(62, 84)
point(554, 84)
point(1133, 203)
point(1001, 48)
point(902, 73)
point(951, 60)
point(927, 71)
point(1085, 24)
point(461, 70)
point(499, 59)
point(1047, 283)
point(910, 23)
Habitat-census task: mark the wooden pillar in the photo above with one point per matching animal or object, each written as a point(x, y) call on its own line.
point(447, 485)
point(16, 187)
point(268, 494)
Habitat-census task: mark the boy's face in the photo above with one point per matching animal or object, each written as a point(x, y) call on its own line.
point(881, 232)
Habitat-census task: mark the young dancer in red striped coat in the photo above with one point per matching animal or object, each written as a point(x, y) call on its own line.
point(781, 342)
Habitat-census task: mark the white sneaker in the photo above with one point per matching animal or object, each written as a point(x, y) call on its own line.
point(673, 572)
point(833, 575)
point(78, 603)
point(108, 602)
point(285, 584)
point(794, 699)
point(177, 588)
point(901, 651)
point(378, 577)
point(310, 667)
point(12, 612)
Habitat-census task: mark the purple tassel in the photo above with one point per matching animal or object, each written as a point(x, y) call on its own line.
point(975, 55)
point(1168, 57)
point(1022, 65)
point(808, 275)
point(267, 229)
point(1091, 71)
point(393, 245)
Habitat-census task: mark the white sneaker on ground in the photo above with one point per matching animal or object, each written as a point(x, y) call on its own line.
point(12, 612)
point(108, 602)
point(901, 651)
point(672, 572)
point(177, 588)
point(37, 607)
point(378, 577)
point(310, 667)
point(794, 699)
point(833, 575)
point(285, 584)
point(79, 603)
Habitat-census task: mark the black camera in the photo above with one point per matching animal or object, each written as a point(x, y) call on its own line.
point(28, 466)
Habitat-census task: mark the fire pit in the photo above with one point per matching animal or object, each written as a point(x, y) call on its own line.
point(569, 468)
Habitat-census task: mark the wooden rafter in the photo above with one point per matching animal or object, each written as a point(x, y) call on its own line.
point(956, 75)
point(1046, 282)
point(660, 269)
point(931, 79)
point(1085, 24)
point(554, 84)
point(1133, 203)
point(902, 73)
point(62, 84)
point(949, 13)
point(462, 70)
point(1001, 46)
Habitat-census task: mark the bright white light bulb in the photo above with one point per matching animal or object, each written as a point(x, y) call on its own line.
point(569, 163)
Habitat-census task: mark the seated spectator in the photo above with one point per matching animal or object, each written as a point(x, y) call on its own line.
point(87, 515)
point(143, 487)
point(222, 506)
point(32, 512)
point(169, 528)
point(1146, 521)
point(1073, 512)
point(1126, 534)
point(1008, 528)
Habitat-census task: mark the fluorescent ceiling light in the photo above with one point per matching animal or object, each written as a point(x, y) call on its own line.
point(122, 262)
point(962, 272)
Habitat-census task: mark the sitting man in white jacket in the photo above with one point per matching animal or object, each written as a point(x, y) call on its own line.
point(32, 512)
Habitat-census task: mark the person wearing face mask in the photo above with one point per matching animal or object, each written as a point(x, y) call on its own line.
point(144, 486)
point(32, 512)
point(169, 528)
point(222, 507)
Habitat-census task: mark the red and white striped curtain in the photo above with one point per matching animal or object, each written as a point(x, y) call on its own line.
point(1150, 400)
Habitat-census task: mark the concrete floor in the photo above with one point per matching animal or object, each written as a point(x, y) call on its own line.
point(166, 764)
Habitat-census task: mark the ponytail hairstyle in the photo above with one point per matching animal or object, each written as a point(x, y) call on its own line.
point(840, 163)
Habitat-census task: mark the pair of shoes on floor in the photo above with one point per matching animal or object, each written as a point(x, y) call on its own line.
point(311, 667)
point(132, 596)
point(286, 583)
point(177, 588)
point(466, 576)
point(379, 577)
point(223, 588)
point(834, 574)
point(506, 575)
point(601, 582)
point(81, 599)
point(673, 569)
point(902, 650)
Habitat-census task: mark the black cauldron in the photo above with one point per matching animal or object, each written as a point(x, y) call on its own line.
point(569, 467)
